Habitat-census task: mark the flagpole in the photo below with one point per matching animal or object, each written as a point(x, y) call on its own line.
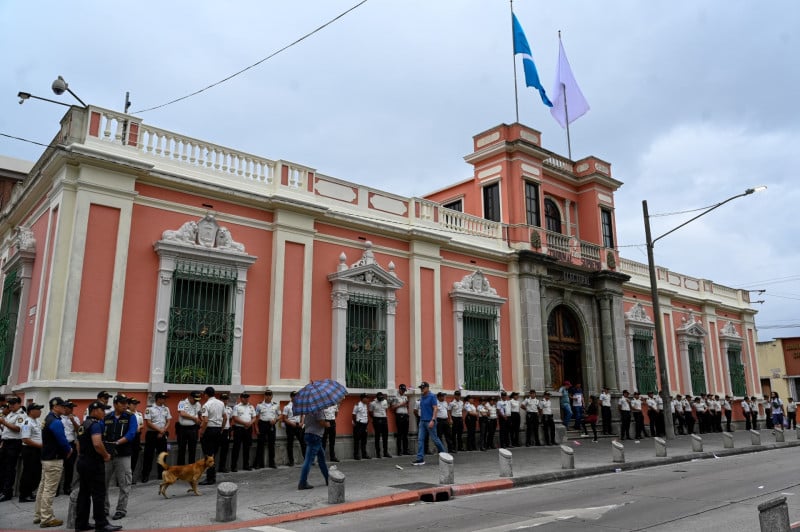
point(566, 110)
point(514, 58)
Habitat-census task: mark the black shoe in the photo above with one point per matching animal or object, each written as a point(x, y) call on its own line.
point(223, 471)
point(305, 487)
point(334, 459)
point(258, 467)
point(273, 466)
point(82, 528)
point(234, 470)
point(387, 455)
point(291, 464)
point(109, 528)
point(6, 497)
point(207, 482)
point(27, 499)
point(356, 458)
point(367, 457)
point(117, 516)
point(248, 468)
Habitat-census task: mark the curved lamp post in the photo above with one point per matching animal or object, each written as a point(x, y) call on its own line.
point(651, 266)
point(59, 86)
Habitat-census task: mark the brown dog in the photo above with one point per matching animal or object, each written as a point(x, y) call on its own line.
point(190, 473)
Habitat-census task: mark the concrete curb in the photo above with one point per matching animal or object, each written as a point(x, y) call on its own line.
point(446, 492)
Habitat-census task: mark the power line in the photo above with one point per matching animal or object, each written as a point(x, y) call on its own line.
point(658, 215)
point(304, 37)
point(25, 140)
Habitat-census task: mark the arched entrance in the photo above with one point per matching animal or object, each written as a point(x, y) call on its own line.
point(564, 340)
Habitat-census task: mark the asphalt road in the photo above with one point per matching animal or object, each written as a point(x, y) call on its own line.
point(703, 495)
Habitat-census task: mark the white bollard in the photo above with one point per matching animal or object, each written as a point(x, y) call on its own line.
point(567, 457)
point(446, 469)
point(226, 501)
point(797, 433)
point(773, 515)
point(561, 434)
point(335, 486)
point(505, 463)
point(661, 447)
point(727, 440)
point(697, 443)
point(780, 436)
point(618, 452)
point(755, 437)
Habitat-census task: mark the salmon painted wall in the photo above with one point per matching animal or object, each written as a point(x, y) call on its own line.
point(45, 289)
point(292, 309)
point(91, 328)
point(428, 324)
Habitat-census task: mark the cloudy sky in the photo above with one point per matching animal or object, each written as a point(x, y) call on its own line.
point(692, 102)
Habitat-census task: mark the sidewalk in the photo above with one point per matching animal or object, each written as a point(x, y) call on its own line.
point(269, 497)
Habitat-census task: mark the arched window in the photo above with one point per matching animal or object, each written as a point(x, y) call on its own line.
point(552, 216)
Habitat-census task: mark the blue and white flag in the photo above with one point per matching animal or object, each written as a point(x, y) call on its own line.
point(531, 75)
point(569, 103)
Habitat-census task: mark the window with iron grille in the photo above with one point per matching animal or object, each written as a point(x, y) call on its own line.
point(552, 216)
point(9, 309)
point(736, 370)
point(697, 368)
point(644, 360)
point(532, 203)
point(608, 231)
point(201, 321)
point(365, 357)
point(481, 350)
point(491, 202)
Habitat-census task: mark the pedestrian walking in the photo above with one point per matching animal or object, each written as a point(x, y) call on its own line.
point(244, 416)
point(401, 421)
point(754, 412)
point(767, 405)
point(566, 409)
point(188, 426)
point(31, 454)
point(214, 417)
point(576, 395)
point(156, 419)
point(791, 413)
point(315, 425)
point(56, 449)
point(591, 416)
point(360, 424)
point(268, 415)
point(379, 408)
point(427, 412)
point(119, 434)
point(777, 410)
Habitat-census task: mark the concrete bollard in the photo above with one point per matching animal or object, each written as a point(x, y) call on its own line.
point(697, 443)
point(780, 436)
point(446, 469)
point(773, 515)
point(73, 509)
point(335, 486)
point(661, 447)
point(226, 501)
point(561, 433)
point(567, 457)
point(505, 463)
point(617, 452)
point(755, 437)
point(797, 433)
point(727, 440)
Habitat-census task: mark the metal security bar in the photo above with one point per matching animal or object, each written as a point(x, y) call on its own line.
point(9, 309)
point(736, 369)
point(481, 351)
point(200, 337)
point(645, 363)
point(697, 369)
point(365, 362)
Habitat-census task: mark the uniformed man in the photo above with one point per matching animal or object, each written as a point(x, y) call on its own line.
point(244, 416)
point(360, 423)
point(268, 415)
point(102, 396)
point(31, 454)
point(605, 409)
point(187, 426)
point(548, 424)
point(72, 423)
point(294, 430)
point(624, 406)
point(11, 447)
point(55, 449)
point(504, 419)
point(470, 421)
point(638, 416)
point(136, 443)
point(380, 424)
point(531, 407)
point(491, 426)
point(456, 407)
point(652, 413)
point(329, 435)
point(746, 412)
point(92, 455)
point(225, 435)
point(156, 420)
point(214, 417)
point(400, 409)
point(119, 434)
point(483, 422)
point(444, 423)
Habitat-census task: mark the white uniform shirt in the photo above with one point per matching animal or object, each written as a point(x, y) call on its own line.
point(330, 413)
point(158, 415)
point(605, 399)
point(69, 428)
point(746, 407)
point(469, 408)
point(651, 403)
point(546, 407)
point(456, 408)
point(531, 405)
point(379, 408)
point(659, 403)
point(17, 418)
point(31, 429)
point(700, 407)
point(191, 409)
point(687, 406)
point(791, 406)
point(268, 411)
point(636, 405)
point(502, 407)
point(624, 404)
point(402, 404)
point(492, 411)
point(514, 405)
point(482, 410)
point(288, 411)
point(360, 411)
point(674, 406)
point(441, 411)
point(726, 405)
point(245, 412)
point(214, 410)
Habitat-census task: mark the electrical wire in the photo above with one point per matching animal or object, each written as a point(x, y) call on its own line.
point(658, 215)
point(26, 140)
point(270, 56)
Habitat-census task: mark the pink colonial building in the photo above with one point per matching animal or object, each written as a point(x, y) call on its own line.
point(141, 260)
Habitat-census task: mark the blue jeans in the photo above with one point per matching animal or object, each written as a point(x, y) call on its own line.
point(567, 411)
point(423, 433)
point(313, 450)
point(578, 415)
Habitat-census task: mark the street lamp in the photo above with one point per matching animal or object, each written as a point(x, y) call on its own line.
point(59, 86)
point(662, 355)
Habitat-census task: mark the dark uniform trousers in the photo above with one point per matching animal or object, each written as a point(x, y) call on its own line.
point(153, 445)
point(187, 437)
point(638, 422)
point(381, 426)
point(360, 440)
point(136, 449)
point(92, 492)
point(69, 470)
point(223, 447)
point(458, 433)
point(532, 429)
point(491, 430)
point(549, 429)
point(242, 440)
point(606, 410)
point(296, 433)
point(625, 424)
point(688, 419)
point(266, 437)
point(443, 431)
point(329, 439)
point(483, 425)
point(516, 422)
point(31, 471)
point(210, 444)
point(471, 423)
point(401, 436)
point(504, 430)
point(9, 456)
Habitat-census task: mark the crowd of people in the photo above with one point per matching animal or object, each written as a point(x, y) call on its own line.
point(105, 445)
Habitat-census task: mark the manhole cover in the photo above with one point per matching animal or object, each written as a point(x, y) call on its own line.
point(278, 508)
point(414, 486)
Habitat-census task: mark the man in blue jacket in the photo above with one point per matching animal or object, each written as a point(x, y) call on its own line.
point(118, 434)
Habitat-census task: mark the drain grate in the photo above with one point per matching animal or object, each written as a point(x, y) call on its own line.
point(278, 508)
point(414, 486)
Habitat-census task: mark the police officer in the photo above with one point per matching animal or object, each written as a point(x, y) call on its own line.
point(102, 396)
point(187, 426)
point(380, 424)
point(244, 416)
point(531, 407)
point(214, 417)
point(31, 454)
point(225, 434)
point(360, 422)
point(92, 455)
point(11, 447)
point(119, 434)
point(136, 443)
point(400, 408)
point(443, 421)
point(55, 449)
point(268, 415)
point(456, 407)
point(294, 430)
point(329, 435)
point(156, 420)
point(71, 424)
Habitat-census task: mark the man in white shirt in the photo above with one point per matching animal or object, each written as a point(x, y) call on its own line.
point(548, 424)
point(268, 415)
point(294, 430)
point(31, 454)
point(244, 416)
point(652, 413)
point(605, 409)
point(504, 419)
point(380, 424)
point(746, 413)
point(531, 407)
point(187, 426)
point(360, 423)
point(401, 421)
point(443, 421)
point(214, 417)
point(514, 421)
point(624, 406)
point(456, 407)
point(11, 447)
point(71, 424)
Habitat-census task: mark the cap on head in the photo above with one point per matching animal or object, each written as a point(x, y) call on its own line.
point(244, 395)
point(195, 394)
point(121, 398)
point(161, 395)
point(380, 395)
point(133, 401)
point(440, 394)
point(57, 401)
point(503, 394)
point(457, 392)
point(402, 387)
point(14, 400)
point(267, 392)
point(104, 394)
point(423, 385)
point(362, 396)
point(95, 405)
point(224, 396)
point(34, 406)
point(567, 383)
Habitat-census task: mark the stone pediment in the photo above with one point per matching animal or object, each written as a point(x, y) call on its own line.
point(205, 233)
point(691, 327)
point(729, 332)
point(638, 315)
point(366, 272)
point(475, 286)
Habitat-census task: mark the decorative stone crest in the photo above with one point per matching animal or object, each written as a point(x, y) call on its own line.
point(691, 326)
point(638, 314)
point(367, 258)
point(475, 282)
point(23, 239)
point(611, 260)
point(366, 272)
point(536, 240)
point(205, 233)
point(730, 331)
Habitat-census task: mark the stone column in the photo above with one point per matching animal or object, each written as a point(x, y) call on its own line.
point(773, 515)
point(548, 377)
point(226, 501)
point(607, 334)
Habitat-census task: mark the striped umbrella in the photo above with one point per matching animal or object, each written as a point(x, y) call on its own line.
point(317, 395)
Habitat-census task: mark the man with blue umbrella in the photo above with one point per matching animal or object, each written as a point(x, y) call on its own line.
point(428, 405)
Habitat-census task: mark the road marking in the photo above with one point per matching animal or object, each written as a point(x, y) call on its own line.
point(552, 516)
